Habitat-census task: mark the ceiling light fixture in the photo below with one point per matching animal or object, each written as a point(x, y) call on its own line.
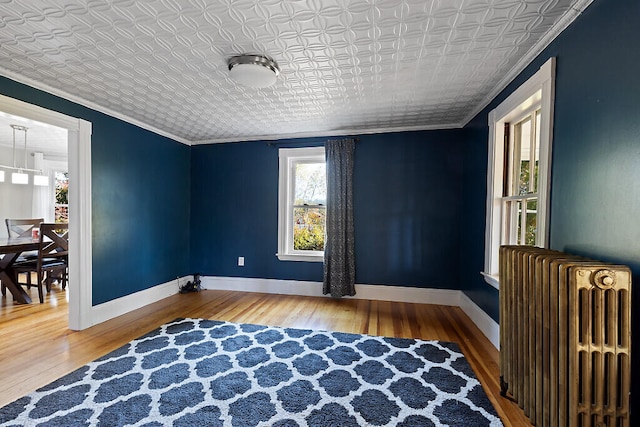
point(41, 180)
point(253, 70)
point(20, 176)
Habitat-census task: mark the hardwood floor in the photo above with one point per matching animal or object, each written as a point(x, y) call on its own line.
point(36, 346)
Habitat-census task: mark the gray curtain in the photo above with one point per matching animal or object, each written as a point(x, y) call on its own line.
point(339, 251)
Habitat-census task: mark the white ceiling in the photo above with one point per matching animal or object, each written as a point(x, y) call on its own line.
point(354, 66)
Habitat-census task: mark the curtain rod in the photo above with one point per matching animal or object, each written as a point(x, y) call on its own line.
point(284, 143)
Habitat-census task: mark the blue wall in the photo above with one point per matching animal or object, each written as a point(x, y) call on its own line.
point(406, 205)
point(140, 199)
point(596, 186)
point(595, 195)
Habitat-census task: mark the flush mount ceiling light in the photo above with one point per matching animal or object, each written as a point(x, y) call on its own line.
point(253, 70)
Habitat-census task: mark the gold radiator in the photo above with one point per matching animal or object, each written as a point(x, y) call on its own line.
point(565, 337)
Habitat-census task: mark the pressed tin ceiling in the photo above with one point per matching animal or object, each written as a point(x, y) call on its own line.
point(347, 67)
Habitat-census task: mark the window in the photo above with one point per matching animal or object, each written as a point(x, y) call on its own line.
point(302, 200)
point(520, 200)
point(519, 166)
point(61, 205)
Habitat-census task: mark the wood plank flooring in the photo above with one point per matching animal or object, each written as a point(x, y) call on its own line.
point(36, 346)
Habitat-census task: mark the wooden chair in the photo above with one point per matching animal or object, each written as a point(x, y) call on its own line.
point(21, 227)
point(17, 228)
point(52, 259)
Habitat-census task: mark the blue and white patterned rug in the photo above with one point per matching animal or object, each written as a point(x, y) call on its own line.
point(196, 372)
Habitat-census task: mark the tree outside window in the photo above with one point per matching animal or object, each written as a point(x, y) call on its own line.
point(62, 197)
point(309, 212)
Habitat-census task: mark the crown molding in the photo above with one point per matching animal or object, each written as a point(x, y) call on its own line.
point(85, 103)
point(567, 19)
point(322, 134)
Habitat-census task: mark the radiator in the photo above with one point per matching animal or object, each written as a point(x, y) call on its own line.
point(565, 337)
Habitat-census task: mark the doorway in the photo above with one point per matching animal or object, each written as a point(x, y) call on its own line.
point(79, 196)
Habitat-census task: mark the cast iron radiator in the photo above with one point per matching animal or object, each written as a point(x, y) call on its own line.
point(565, 337)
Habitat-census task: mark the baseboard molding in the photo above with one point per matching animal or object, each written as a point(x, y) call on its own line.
point(267, 286)
point(314, 289)
point(489, 327)
point(482, 320)
point(123, 305)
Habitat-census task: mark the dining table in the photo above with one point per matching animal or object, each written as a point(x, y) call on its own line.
point(11, 249)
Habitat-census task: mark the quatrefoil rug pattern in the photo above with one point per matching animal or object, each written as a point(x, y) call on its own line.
point(196, 372)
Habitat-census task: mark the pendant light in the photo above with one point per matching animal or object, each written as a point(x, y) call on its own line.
point(20, 176)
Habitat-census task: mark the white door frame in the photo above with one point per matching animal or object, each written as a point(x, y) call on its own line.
point(79, 151)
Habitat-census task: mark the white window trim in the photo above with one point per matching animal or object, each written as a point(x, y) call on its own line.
point(287, 158)
point(540, 87)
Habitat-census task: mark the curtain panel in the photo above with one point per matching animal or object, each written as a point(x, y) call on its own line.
point(339, 250)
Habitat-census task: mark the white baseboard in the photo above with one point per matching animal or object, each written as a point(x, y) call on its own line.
point(314, 289)
point(407, 294)
point(483, 321)
point(267, 286)
point(489, 327)
point(123, 305)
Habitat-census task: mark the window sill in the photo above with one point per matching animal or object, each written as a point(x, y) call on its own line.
point(296, 257)
point(491, 279)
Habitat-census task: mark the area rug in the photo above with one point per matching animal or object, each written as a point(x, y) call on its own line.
point(196, 372)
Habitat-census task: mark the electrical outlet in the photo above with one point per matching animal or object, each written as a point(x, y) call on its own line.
point(240, 261)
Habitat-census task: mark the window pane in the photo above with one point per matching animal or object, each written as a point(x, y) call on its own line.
point(532, 223)
point(525, 156)
point(310, 184)
point(511, 229)
point(61, 206)
point(519, 230)
point(523, 187)
point(308, 229)
point(537, 152)
point(521, 227)
point(526, 235)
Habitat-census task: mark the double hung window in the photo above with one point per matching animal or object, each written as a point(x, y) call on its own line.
point(520, 201)
point(519, 168)
point(302, 194)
